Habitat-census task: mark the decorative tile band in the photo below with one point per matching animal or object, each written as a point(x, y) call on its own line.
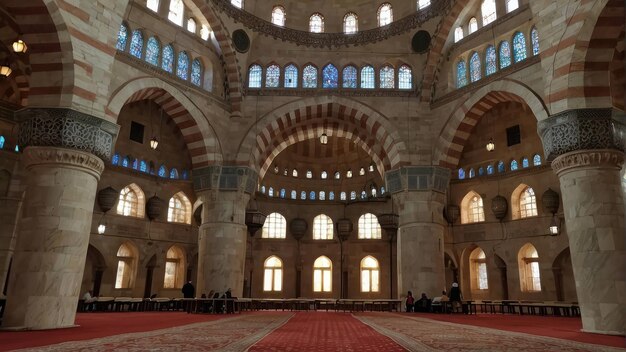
point(418, 178)
point(225, 178)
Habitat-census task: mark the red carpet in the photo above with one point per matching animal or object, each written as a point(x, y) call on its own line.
point(93, 325)
point(557, 327)
point(325, 331)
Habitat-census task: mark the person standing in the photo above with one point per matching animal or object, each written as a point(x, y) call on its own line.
point(410, 301)
point(455, 297)
point(188, 290)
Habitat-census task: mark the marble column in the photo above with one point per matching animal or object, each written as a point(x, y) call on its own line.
point(53, 233)
point(419, 192)
point(224, 192)
point(587, 149)
point(9, 213)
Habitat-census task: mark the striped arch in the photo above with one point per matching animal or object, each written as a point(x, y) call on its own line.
point(309, 118)
point(200, 137)
point(460, 124)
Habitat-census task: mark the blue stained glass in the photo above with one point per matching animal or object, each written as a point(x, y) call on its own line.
point(352, 195)
point(490, 61)
point(152, 168)
point(309, 77)
point(254, 76)
point(475, 69)
point(125, 162)
point(185, 175)
point(136, 44)
point(272, 76)
point(162, 171)
point(501, 167)
point(363, 195)
point(349, 77)
point(114, 161)
point(367, 77)
point(294, 195)
point(270, 192)
point(17, 148)
point(122, 38)
point(330, 76)
point(481, 171)
point(472, 173)
point(174, 174)
point(461, 174)
point(303, 195)
point(519, 47)
point(387, 77)
point(312, 195)
point(342, 196)
point(331, 195)
point(282, 193)
point(135, 164)
point(167, 59)
point(405, 77)
point(536, 160)
point(505, 54)
point(291, 76)
point(322, 195)
point(490, 169)
point(153, 49)
point(525, 163)
point(382, 190)
point(182, 66)
point(143, 166)
point(461, 74)
point(196, 73)
point(513, 165)
point(263, 189)
point(534, 38)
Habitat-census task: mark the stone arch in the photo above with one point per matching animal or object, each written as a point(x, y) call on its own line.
point(458, 128)
point(515, 200)
point(201, 139)
point(309, 118)
point(564, 276)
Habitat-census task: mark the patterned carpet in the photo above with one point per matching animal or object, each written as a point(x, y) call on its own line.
point(418, 334)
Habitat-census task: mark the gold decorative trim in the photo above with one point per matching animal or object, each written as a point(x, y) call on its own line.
point(608, 158)
point(62, 157)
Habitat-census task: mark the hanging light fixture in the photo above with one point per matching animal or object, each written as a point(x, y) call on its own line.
point(154, 143)
point(102, 227)
point(19, 46)
point(491, 146)
point(554, 226)
point(5, 70)
point(324, 138)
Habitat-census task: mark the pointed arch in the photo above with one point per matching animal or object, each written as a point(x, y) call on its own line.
point(127, 259)
point(179, 209)
point(175, 267)
point(472, 208)
point(131, 201)
point(370, 274)
point(529, 271)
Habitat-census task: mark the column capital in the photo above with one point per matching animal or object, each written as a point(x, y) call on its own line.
point(583, 129)
point(72, 158)
point(225, 178)
point(608, 158)
point(418, 178)
point(66, 128)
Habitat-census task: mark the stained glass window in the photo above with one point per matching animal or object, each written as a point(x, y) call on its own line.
point(254, 76)
point(263, 189)
point(309, 77)
point(505, 54)
point(312, 195)
point(303, 195)
point(316, 23)
point(122, 37)
point(382, 189)
point(272, 76)
point(352, 195)
point(135, 164)
point(337, 175)
point(534, 38)
point(270, 192)
point(349, 77)
point(472, 173)
point(349, 174)
point(330, 76)
point(385, 14)
point(405, 77)
point(501, 167)
point(490, 61)
point(167, 59)
point(115, 160)
point(367, 77)
point(125, 162)
point(278, 16)
point(489, 169)
point(488, 9)
point(174, 174)
point(185, 175)
point(475, 70)
point(363, 195)
point(461, 174)
point(176, 12)
point(153, 49)
point(511, 5)
point(143, 166)
point(162, 171)
point(331, 195)
point(387, 77)
point(191, 25)
point(342, 196)
point(136, 44)
point(196, 73)
point(182, 66)
point(294, 195)
point(525, 162)
point(309, 174)
point(291, 76)
point(461, 74)
point(519, 47)
point(322, 195)
point(536, 160)
point(294, 173)
point(282, 193)
point(514, 165)
point(473, 25)
point(350, 23)
point(153, 5)
point(481, 171)
point(324, 175)
point(458, 34)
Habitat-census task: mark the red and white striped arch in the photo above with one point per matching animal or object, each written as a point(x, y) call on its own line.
point(199, 136)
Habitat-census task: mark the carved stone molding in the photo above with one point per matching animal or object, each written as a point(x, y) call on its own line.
point(318, 40)
point(606, 158)
point(417, 178)
point(63, 157)
point(225, 178)
point(66, 128)
point(582, 129)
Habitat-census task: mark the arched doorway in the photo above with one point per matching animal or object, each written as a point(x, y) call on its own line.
point(564, 277)
point(94, 268)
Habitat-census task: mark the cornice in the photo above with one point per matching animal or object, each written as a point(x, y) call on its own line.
point(34, 156)
point(598, 158)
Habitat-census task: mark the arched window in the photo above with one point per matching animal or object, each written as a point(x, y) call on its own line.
point(513, 165)
point(505, 54)
point(322, 227)
point(349, 174)
point(237, 3)
point(373, 191)
point(294, 173)
point(176, 12)
point(490, 169)
point(282, 193)
point(205, 32)
point(174, 174)
point(363, 195)
point(162, 171)
point(135, 164)
point(528, 263)
point(294, 194)
point(322, 274)
point(291, 76)
point(272, 76)
point(122, 38)
point(461, 174)
point(422, 4)
point(331, 195)
point(182, 66)
point(525, 163)
point(175, 268)
point(316, 23)
point(254, 76)
point(330, 76)
point(273, 274)
point(153, 5)
point(350, 23)
point(481, 171)
point(511, 5)
point(405, 77)
point(167, 59)
point(472, 208)
point(337, 175)
point(501, 166)
point(472, 173)
point(131, 201)
point(115, 160)
point(367, 77)
point(322, 195)
point(196, 73)
point(458, 34)
point(536, 160)
point(179, 209)
point(309, 77)
point(534, 38)
point(353, 195)
point(312, 195)
point(527, 203)
point(324, 175)
point(382, 189)
point(519, 47)
point(342, 196)
point(275, 226)
point(303, 195)
point(309, 174)
point(125, 161)
point(478, 267)
point(126, 264)
point(263, 189)
point(143, 166)
point(362, 171)
point(349, 75)
point(153, 49)
point(136, 44)
point(488, 9)
point(385, 14)
point(387, 77)
point(490, 61)
point(278, 16)
point(472, 26)
point(369, 228)
point(461, 74)
point(475, 69)
point(370, 275)
point(191, 25)
point(270, 192)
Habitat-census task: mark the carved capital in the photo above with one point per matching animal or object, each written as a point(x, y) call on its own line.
point(418, 178)
point(225, 178)
point(63, 157)
point(600, 158)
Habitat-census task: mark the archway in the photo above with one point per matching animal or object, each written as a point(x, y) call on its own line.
point(564, 277)
point(504, 280)
point(94, 269)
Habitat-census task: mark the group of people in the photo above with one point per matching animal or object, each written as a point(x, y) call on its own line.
point(425, 304)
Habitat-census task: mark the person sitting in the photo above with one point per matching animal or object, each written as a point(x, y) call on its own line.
point(409, 301)
point(440, 304)
point(422, 304)
point(89, 302)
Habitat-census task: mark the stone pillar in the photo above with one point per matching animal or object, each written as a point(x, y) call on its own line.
point(587, 149)
point(53, 236)
point(9, 212)
point(419, 192)
point(224, 192)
